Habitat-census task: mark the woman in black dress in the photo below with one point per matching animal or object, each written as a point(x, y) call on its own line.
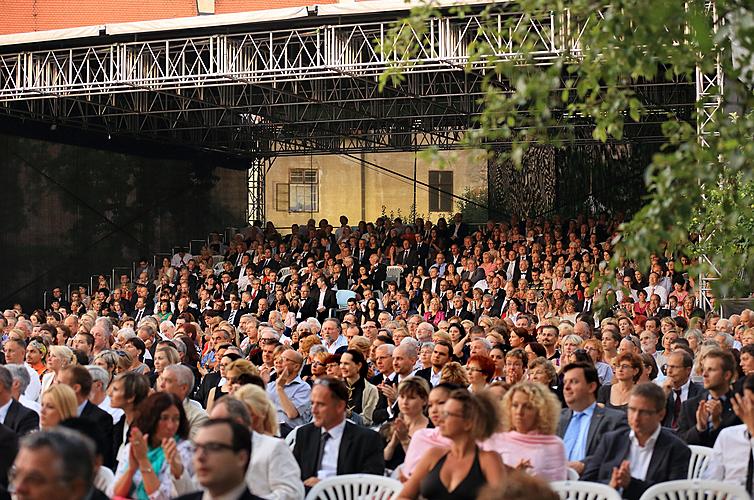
point(459, 473)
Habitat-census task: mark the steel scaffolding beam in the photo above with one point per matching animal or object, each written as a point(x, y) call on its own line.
point(255, 182)
point(299, 90)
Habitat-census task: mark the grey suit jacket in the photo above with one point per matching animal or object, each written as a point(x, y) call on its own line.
point(603, 420)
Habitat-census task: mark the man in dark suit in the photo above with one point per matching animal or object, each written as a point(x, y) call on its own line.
point(326, 299)
point(458, 308)
point(432, 283)
point(222, 451)
point(458, 229)
point(308, 303)
point(18, 418)
point(233, 315)
point(406, 258)
point(678, 386)
point(267, 262)
point(633, 459)
point(704, 416)
point(330, 445)
point(80, 380)
point(583, 423)
point(377, 271)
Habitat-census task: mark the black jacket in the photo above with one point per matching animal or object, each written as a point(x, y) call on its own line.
point(21, 419)
point(104, 421)
point(687, 425)
point(198, 495)
point(669, 462)
point(360, 452)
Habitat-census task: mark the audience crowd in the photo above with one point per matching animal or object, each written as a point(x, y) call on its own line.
point(455, 359)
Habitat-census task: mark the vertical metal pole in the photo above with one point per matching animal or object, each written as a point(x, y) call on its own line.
point(255, 182)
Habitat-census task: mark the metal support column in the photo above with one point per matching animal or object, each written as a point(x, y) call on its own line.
point(255, 182)
point(709, 102)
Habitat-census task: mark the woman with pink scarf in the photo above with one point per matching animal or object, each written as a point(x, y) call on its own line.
point(530, 413)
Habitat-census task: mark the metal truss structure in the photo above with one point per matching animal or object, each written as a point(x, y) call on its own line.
point(306, 86)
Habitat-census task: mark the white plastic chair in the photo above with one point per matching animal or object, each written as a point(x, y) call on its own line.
point(394, 273)
point(694, 489)
point(283, 272)
point(290, 439)
point(571, 474)
point(355, 487)
point(700, 457)
point(584, 490)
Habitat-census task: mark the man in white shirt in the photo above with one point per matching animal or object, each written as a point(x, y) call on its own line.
point(654, 288)
point(733, 453)
point(623, 457)
point(331, 335)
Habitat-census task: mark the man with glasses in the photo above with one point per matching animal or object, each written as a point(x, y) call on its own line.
point(678, 386)
point(290, 394)
point(623, 457)
point(222, 451)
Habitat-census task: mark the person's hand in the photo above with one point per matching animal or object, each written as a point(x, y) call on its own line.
point(523, 464)
point(702, 416)
point(400, 431)
point(264, 373)
point(667, 386)
point(715, 409)
point(170, 449)
point(203, 371)
point(282, 378)
point(388, 391)
point(621, 476)
point(743, 407)
point(311, 481)
point(577, 466)
point(139, 445)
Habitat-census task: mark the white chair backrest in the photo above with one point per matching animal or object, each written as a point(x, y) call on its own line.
point(283, 272)
point(290, 439)
point(342, 297)
point(394, 273)
point(693, 489)
point(584, 490)
point(571, 474)
point(355, 487)
point(218, 268)
point(700, 456)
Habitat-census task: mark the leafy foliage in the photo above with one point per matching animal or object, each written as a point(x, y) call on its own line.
point(694, 187)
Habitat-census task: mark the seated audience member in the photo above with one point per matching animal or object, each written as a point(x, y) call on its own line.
point(221, 457)
point(103, 476)
point(527, 439)
point(583, 423)
point(156, 462)
point(179, 380)
point(15, 353)
point(58, 358)
point(127, 391)
point(628, 369)
point(425, 439)
point(735, 441)
point(463, 469)
point(58, 404)
point(331, 446)
point(273, 472)
point(289, 393)
point(363, 395)
point(80, 380)
point(480, 369)
point(413, 393)
point(61, 451)
point(678, 386)
point(20, 383)
point(704, 416)
point(635, 458)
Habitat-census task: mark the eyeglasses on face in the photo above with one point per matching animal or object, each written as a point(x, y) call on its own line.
point(211, 447)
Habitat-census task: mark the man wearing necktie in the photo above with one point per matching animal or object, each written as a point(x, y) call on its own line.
point(678, 386)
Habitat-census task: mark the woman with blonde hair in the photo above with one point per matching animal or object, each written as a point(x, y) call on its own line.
point(530, 414)
point(264, 418)
point(593, 348)
point(454, 373)
point(58, 358)
point(58, 404)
